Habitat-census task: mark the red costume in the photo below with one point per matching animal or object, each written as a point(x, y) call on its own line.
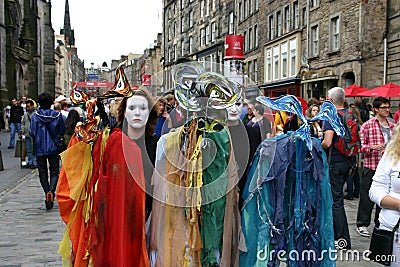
point(120, 202)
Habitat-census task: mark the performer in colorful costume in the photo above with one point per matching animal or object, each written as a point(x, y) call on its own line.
point(287, 214)
point(195, 214)
point(97, 192)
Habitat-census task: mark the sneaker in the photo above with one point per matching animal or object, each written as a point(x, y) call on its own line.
point(10, 147)
point(26, 166)
point(362, 231)
point(49, 200)
point(33, 166)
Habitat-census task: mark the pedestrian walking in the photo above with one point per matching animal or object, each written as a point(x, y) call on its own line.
point(25, 127)
point(338, 170)
point(374, 135)
point(16, 113)
point(46, 127)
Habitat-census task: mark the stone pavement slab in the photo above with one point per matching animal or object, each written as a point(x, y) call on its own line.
point(29, 235)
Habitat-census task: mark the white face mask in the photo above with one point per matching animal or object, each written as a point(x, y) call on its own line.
point(137, 111)
point(235, 111)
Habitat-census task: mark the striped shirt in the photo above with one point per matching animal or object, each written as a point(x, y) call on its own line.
point(371, 134)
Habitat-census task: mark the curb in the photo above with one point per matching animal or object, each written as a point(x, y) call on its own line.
point(18, 183)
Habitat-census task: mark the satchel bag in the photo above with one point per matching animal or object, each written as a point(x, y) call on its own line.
point(381, 246)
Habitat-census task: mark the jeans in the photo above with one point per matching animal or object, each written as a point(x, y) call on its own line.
point(353, 180)
point(43, 172)
point(365, 205)
point(338, 174)
point(15, 129)
point(29, 151)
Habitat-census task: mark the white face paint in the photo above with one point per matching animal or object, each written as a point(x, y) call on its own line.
point(137, 111)
point(235, 111)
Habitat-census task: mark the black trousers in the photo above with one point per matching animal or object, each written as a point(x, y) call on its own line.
point(54, 168)
point(365, 205)
point(338, 172)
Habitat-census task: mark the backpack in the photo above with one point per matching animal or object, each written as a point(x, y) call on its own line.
point(349, 145)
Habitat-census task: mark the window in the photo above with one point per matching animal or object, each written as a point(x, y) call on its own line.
point(231, 29)
point(207, 7)
point(255, 36)
point(304, 14)
point(292, 47)
point(190, 44)
point(271, 27)
point(250, 7)
point(182, 24)
point(335, 31)
point(249, 69)
point(296, 15)
point(287, 19)
point(255, 5)
point(279, 23)
point(182, 4)
point(269, 65)
point(245, 9)
point(213, 31)
point(255, 71)
point(275, 51)
point(214, 5)
point(191, 14)
point(175, 52)
point(284, 55)
point(250, 39)
point(202, 8)
point(175, 29)
point(202, 36)
point(169, 33)
point(240, 12)
point(245, 41)
point(182, 48)
point(207, 34)
point(314, 40)
point(314, 3)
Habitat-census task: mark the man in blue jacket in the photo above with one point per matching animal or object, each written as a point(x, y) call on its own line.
point(46, 127)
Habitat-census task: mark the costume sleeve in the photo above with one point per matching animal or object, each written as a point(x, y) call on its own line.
point(381, 181)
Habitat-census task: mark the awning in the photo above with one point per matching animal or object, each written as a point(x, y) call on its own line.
point(331, 77)
point(280, 83)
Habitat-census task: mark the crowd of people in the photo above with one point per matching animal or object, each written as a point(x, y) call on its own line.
point(126, 151)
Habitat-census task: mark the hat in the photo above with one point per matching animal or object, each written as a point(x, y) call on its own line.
point(60, 98)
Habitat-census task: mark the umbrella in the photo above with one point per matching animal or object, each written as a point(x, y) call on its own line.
point(354, 90)
point(387, 90)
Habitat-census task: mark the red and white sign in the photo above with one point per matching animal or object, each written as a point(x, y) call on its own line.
point(146, 79)
point(234, 47)
point(93, 84)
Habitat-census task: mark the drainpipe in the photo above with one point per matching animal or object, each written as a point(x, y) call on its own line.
point(385, 43)
point(384, 58)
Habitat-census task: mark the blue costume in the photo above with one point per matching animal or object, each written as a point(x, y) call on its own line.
point(287, 213)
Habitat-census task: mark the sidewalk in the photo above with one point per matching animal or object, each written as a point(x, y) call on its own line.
point(30, 235)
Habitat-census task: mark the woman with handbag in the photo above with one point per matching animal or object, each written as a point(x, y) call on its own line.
point(385, 192)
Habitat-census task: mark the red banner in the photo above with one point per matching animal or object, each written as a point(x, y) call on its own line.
point(93, 84)
point(146, 79)
point(234, 47)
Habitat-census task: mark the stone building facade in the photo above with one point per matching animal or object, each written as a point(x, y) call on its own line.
point(26, 49)
point(196, 30)
point(307, 47)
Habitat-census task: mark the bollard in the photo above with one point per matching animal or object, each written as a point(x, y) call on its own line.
point(1, 162)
